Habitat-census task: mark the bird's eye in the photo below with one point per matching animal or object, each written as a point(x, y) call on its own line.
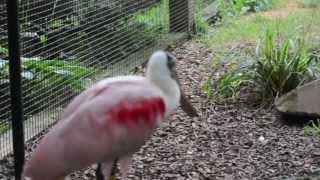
point(171, 63)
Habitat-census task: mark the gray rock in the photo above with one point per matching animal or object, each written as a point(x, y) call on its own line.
point(302, 101)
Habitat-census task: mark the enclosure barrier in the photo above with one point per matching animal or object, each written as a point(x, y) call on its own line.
point(51, 50)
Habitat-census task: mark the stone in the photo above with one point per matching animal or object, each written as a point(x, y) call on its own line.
point(303, 101)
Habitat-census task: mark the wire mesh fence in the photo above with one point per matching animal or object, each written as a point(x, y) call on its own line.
point(5, 104)
point(68, 45)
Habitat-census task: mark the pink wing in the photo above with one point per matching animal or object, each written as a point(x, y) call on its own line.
point(115, 121)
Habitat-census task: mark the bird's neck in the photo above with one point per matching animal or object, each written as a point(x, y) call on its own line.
point(170, 89)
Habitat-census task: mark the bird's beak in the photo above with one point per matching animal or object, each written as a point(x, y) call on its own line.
point(186, 106)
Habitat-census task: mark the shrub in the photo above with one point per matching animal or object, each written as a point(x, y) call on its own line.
point(281, 65)
point(229, 84)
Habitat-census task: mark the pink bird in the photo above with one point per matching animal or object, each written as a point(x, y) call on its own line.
point(111, 120)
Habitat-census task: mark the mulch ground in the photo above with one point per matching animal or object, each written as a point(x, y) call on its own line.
point(228, 141)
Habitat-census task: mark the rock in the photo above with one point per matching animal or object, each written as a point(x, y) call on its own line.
point(303, 101)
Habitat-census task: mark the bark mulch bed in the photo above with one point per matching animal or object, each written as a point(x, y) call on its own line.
point(229, 141)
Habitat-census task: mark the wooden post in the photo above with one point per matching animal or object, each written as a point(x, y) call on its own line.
point(181, 16)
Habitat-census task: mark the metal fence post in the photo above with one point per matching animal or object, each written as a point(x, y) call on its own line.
point(15, 86)
point(181, 16)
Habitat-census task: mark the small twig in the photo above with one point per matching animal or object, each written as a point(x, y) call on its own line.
point(194, 80)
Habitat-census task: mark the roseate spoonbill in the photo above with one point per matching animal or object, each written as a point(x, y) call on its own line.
point(110, 120)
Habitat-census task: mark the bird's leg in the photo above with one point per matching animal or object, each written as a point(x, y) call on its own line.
point(113, 170)
point(124, 166)
point(99, 174)
point(104, 170)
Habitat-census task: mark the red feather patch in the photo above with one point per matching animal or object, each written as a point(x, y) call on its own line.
point(128, 112)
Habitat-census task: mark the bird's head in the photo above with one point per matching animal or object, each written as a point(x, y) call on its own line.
point(161, 70)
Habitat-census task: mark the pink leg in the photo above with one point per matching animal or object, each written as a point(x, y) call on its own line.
point(106, 169)
point(124, 166)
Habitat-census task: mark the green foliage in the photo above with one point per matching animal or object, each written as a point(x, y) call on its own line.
point(55, 24)
point(43, 39)
point(153, 20)
point(4, 51)
point(240, 7)
point(201, 26)
point(4, 127)
point(310, 3)
point(251, 28)
point(281, 65)
point(54, 72)
point(59, 23)
point(230, 83)
point(312, 128)
point(207, 88)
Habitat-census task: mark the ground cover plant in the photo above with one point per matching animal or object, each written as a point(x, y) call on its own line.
point(277, 58)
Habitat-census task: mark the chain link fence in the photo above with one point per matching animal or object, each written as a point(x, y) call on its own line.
point(68, 45)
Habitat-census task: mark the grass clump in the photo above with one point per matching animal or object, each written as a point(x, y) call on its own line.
point(201, 25)
point(230, 83)
point(207, 88)
point(312, 128)
point(281, 65)
point(278, 65)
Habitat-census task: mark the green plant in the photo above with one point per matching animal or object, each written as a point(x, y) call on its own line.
point(3, 51)
point(153, 20)
point(201, 25)
point(281, 65)
point(312, 128)
point(55, 24)
point(54, 72)
point(229, 84)
point(43, 39)
point(240, 7)
point(207, 88)
point(251, 28)
point(4, 127)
